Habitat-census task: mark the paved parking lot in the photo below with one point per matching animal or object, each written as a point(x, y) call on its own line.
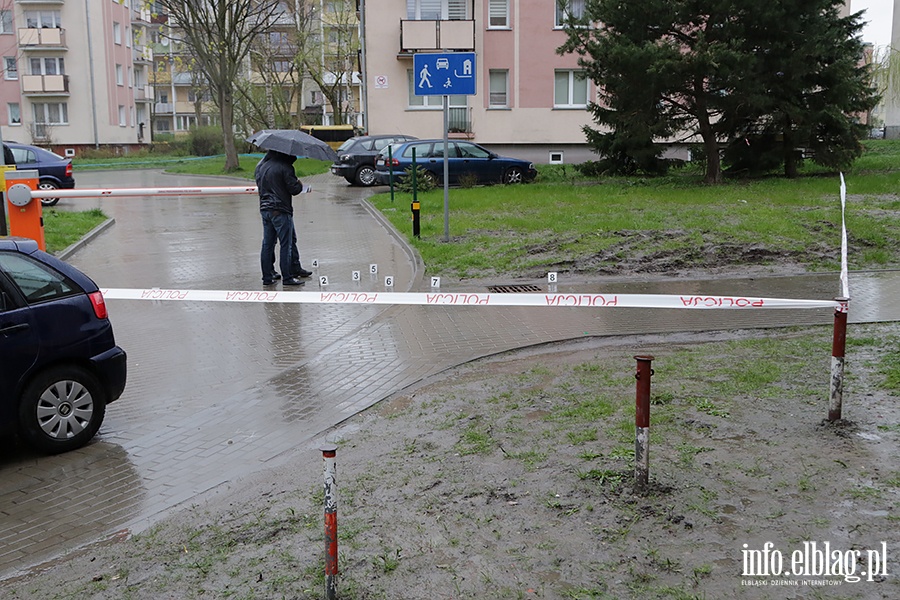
point(219, 390)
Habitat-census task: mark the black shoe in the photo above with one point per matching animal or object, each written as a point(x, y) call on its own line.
point(268, 282)
point(293, 281)
point(303, 273)
point(277, 276)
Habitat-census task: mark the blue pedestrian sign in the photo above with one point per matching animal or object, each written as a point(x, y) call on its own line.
point(448, 74)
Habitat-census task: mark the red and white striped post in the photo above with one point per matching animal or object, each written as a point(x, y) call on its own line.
point(838, 345)
point(642, 423)
point(329, 452)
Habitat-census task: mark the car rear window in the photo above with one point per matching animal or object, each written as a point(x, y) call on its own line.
point(37, 281)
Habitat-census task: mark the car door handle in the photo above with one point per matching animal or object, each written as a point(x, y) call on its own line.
point(11, 329)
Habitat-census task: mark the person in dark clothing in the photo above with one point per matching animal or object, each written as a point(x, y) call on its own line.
point(277, 183)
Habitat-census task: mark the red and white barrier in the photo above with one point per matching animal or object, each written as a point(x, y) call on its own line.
point(469, 299)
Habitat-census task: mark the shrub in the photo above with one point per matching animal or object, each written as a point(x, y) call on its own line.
point(206, 141)
point(424, 182)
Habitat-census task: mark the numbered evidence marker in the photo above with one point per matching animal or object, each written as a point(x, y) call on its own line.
point(315, 263)
point(435, 282)
point(373, 269)
point(355, 276)
point(323, 280)
point(389, 281)
point(551, 277)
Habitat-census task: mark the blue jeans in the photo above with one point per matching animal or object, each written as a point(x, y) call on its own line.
point(278, 226)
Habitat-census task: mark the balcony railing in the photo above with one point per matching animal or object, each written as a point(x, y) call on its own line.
point(45, 84)
point(143, 92)
point(164, 107)
point(436, 35)
point(42, 37)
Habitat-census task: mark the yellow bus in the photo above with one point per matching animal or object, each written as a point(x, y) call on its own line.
point(333, 135)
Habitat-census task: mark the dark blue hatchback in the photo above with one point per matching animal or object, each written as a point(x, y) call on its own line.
point(59, 362)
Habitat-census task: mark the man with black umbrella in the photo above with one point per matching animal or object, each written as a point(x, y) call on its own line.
point(277, 184)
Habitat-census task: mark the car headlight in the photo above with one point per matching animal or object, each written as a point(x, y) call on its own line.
point(344, 158)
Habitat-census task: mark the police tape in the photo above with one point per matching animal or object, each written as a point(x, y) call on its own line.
point(472, 299)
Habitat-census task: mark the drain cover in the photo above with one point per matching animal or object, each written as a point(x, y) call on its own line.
point(513, 289)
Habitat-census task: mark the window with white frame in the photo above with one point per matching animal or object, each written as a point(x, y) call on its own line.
point(47, 114)
point(566, 9)
point(498, 14)
point(498, 83)
point(429, 101)
point(47, 65)
point(437, 10)
point(10, 67)
point(117, 33)
point(121, 115)
point(15, 113)
point(130, 77)
point(6, 21)
point(120, 79)
point(42, 19)
point(570, 89)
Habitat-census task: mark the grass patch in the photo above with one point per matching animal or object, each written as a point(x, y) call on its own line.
point(63, 228)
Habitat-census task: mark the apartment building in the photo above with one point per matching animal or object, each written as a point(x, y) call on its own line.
point(75, 74)
point(530, 102)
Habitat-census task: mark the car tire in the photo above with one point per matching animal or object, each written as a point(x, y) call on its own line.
point(61, 409)
point(431, 178)
point(365, 176)
point(48, 185)
point(514, 175)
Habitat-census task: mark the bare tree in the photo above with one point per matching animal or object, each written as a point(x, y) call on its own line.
point(329, 50)
point(885, 63)
point(219, 35)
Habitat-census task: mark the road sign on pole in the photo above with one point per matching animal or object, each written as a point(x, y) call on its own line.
point(444, 74)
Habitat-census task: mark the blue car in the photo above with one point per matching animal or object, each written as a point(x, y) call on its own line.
point(60, 364)
point(54, 171)
point(464, 160)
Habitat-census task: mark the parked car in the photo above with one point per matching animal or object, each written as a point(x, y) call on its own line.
point(356, 157)
point(54, 171)
point(465, 159)
point(61, 365)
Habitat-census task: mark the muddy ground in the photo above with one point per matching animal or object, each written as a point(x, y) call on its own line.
point(513, 477)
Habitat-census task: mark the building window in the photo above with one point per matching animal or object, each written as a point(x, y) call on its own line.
point(42, 19)
point(6, 21)
point(10, 68)
point(15, 113)
point(570, 89)
point(47, 65)
point(117, 33)
point(185, 122)
point(282, 66)
point(437, 10)
point(498, 82)
point(498, 14)
point(429, 101)
point(163, 125)
point(120, 80)
point(121, 115)
point(566, 9)
point(47, 114)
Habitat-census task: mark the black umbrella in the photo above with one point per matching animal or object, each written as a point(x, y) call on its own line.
point(293, 142)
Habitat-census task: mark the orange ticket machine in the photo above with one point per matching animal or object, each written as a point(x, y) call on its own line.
point(25, 214)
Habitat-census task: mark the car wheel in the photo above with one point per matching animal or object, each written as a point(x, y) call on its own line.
point(430, 177)
point(61, 410)
point(48, 185)
point(514, 175)
point(365, 175)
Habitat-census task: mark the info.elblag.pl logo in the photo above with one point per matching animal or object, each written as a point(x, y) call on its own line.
point(816, 564)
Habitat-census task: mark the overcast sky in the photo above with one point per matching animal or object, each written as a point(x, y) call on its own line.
point(879, 16)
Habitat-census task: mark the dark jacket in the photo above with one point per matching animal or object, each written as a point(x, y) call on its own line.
point(277, 182)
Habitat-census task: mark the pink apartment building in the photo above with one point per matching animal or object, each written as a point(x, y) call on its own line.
point(530, 102)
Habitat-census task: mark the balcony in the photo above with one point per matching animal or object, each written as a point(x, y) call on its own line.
point(45, 84)
point(416, 36)
point(143, 93)
point(43, 38)
point(142, 54)
point(164, 107)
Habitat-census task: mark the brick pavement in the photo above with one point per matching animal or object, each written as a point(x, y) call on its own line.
point(217, 391)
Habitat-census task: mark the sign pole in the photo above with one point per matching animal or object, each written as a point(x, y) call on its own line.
point(446, 170)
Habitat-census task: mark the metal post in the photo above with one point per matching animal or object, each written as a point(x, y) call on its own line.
point(446, 170)
point(838, 345)
point(391, 172)
point(329, 451)
point(642, 423)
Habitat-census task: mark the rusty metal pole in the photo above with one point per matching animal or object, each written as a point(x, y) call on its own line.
point(838, 345)
point(642, 423)
point(329, 451)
